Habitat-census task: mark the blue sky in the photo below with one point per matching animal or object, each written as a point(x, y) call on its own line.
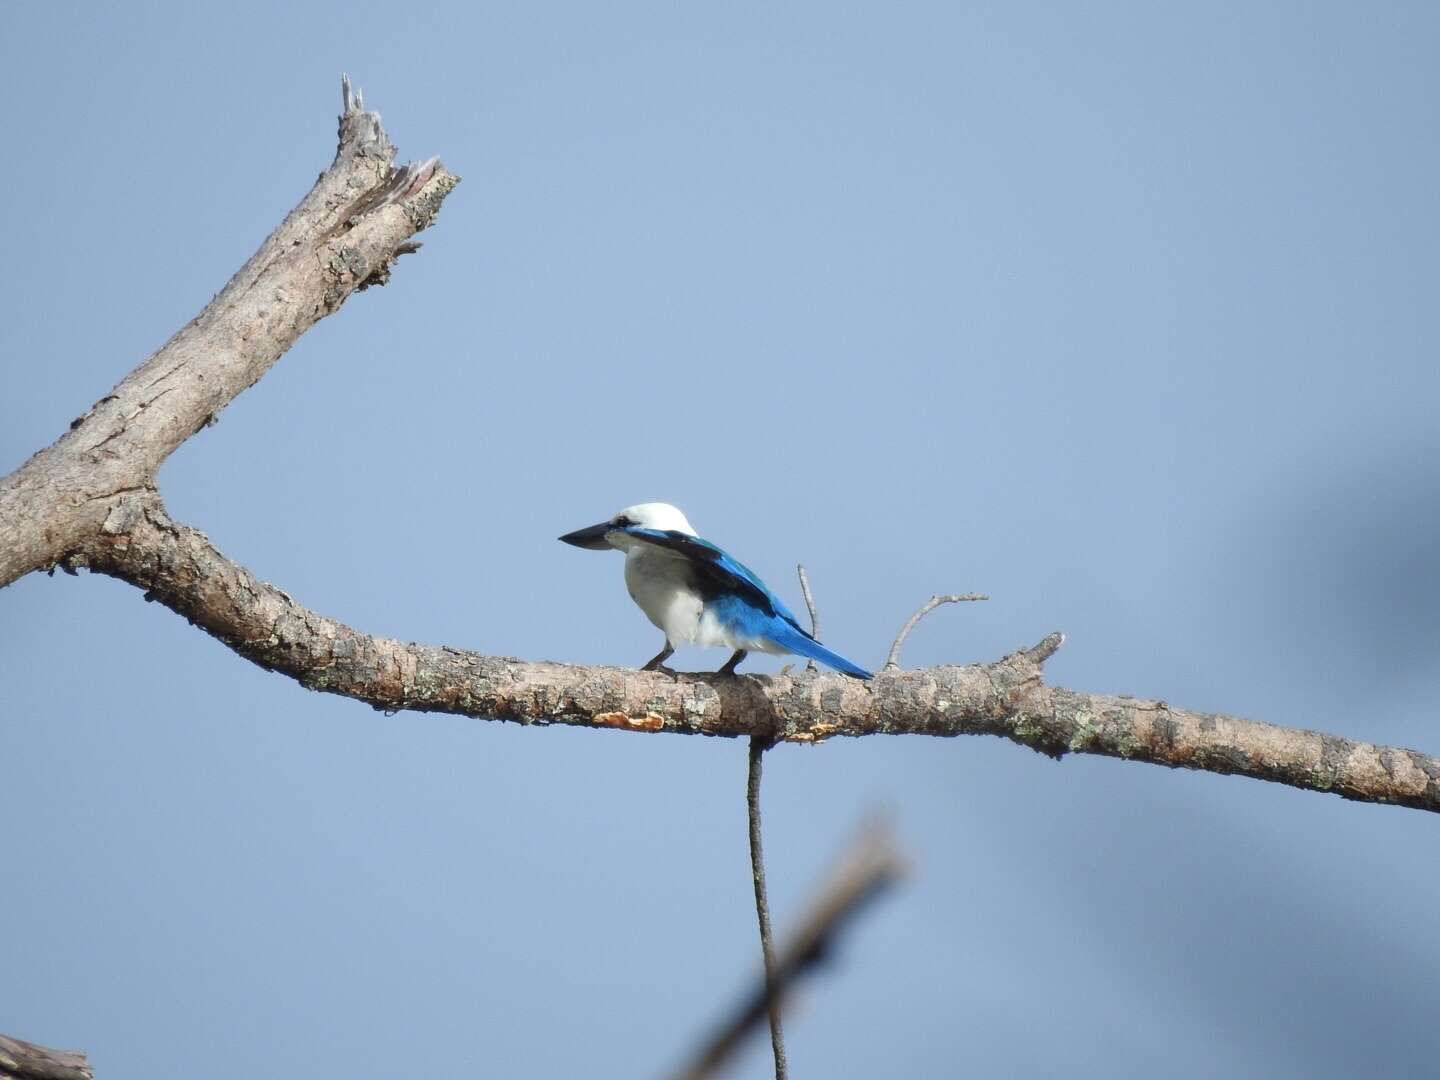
point(1120, 313)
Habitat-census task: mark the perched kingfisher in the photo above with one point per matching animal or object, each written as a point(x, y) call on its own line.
point(696, 593)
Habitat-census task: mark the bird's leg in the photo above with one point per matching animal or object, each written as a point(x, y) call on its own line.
point(733, 662)
point(658, 663)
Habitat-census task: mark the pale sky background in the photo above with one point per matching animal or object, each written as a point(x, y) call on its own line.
point(1124, 314)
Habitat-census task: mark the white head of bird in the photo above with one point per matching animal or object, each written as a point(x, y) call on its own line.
point(662, 517)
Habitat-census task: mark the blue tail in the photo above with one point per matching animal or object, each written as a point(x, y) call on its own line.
point(802, 644)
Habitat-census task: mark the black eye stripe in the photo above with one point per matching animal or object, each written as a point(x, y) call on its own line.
point(623, 521)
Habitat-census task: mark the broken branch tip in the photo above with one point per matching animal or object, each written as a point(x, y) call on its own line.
point(1046, 648)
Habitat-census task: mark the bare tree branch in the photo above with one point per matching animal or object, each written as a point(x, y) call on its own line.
point(21, 1060)
point(870, 866)
point(181, 569)
point(89, 499)
point(342, 237)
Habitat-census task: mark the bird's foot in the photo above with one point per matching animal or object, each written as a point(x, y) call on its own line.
point(657, 662)
point(733, 662)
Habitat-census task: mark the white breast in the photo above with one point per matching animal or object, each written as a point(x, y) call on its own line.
point(659, 582)
point(711, 631)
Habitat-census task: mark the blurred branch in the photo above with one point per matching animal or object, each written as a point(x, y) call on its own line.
point(21, 1060)
point(868, 868)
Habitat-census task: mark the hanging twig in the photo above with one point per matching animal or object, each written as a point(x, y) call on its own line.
point(872, 865)
point(893, 660)
point(758, 745)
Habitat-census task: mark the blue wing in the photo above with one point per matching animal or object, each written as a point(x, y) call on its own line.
point(728, 583)
point(716, 573)
point(797, 641)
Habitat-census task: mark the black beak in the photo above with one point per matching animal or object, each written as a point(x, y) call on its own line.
point(592, 538)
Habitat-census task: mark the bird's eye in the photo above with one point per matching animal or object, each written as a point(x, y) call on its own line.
point(623, 521)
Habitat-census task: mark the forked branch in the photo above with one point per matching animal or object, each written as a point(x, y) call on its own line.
point(89, 499)
point(361, 215)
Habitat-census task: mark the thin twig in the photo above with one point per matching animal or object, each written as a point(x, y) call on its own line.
point(893, 660)
point(871, 866)
point(758, 745)
point(810, 606)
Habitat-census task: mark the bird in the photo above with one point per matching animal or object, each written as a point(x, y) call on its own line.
point(696, 593)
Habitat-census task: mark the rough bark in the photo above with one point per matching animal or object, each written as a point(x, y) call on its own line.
point(871, 866)
point(342, 237)
point(179, 567)
point(21, 1060)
